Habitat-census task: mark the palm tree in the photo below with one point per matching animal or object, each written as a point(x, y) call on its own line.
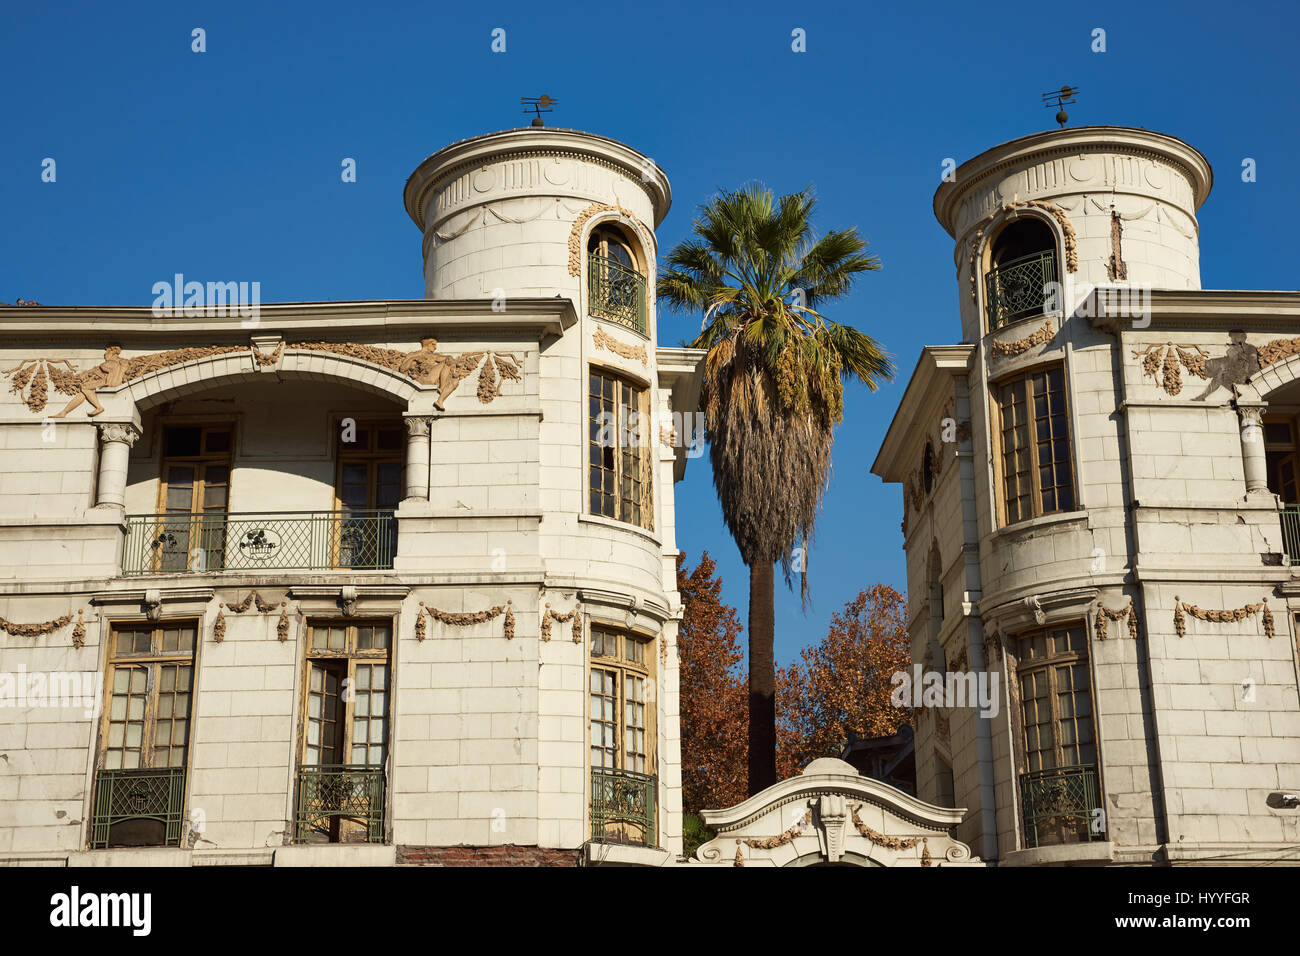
point(772, 393)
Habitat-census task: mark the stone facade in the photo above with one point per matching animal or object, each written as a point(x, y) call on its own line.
point(1140, 521)
point(217, 488)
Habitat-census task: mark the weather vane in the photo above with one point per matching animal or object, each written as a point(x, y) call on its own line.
point(538, 105)
point(1059, 98)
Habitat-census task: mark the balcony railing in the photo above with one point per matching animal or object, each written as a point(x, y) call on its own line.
point(331, 796)
point(1061, 806)
point(1019, 288)
point(616, 292)
point(138, 808)
point(292, 540)
point(1291, 533)
point(623, 807)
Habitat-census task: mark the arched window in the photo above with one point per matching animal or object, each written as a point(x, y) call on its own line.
point(1022, 267)
point(616, 289)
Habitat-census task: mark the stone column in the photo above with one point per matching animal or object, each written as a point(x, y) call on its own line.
point(417, 458)
point(1252, 449)
point(115, 442)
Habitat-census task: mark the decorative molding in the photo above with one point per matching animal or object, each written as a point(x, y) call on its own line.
point(1276, 350)
point(1115, 266)
point(1055, 211)
point(427, 366)
point(1164, 363)
point(879, 839)
point(48, 627)
point(771, 843)
point(579, 224)
point(466, 618)
point(123, 432)
point(1044, 335)
point(1105, 614)
point(219, 628)
point(603, 340)
point(1230, 616)
point(553, 617)
point(925, 853)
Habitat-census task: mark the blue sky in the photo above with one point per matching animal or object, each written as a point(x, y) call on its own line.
point(226, 164)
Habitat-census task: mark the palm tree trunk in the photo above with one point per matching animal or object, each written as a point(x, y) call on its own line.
point(762, 678)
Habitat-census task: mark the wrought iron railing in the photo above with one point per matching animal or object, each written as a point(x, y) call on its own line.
point(1291, 533)
point(616, 292)
point(252, 541)
point(330, 794)
point(1019, 288)
point(138, 808)
point(1062, 805)
point(623, 807)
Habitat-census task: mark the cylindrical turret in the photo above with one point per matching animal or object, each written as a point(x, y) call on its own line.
point(507, 213)
point(1112, 206)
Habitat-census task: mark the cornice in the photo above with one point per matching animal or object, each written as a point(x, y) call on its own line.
point(1016, 153)
point(532, 141)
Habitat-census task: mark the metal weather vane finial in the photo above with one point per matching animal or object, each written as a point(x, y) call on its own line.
point(1059, 98)
point(538, 105)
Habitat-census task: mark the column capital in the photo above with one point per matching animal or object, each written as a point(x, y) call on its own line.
point(124, 432)
point(417, 426)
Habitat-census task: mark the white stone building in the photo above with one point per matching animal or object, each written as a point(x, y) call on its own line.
point(1100, 502)
point(363, 582)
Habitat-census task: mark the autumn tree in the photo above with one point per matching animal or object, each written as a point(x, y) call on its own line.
point(842, 684)
point(713, 692)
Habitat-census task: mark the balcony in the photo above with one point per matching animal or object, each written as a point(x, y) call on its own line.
point(1060, 806)
point(1291, 533)
point(623, 807)
point(138, 808)
point(259, 541)
point(616, 292)
point(340, 803)
point(1018, 289)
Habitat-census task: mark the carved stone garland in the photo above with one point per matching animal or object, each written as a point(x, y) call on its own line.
point(263, 607)
point(1277, 350)
point(1164, 363)
point(771, 843)
point(465, 618)
point(553, 617)
point(1020, 346)
point(1055, 211)
point(48, 627)
point(879, 839)
point(1105, 614)
point(1229, 616)
point(603, 340)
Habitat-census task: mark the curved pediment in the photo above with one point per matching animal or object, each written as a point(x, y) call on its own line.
point(832, 814)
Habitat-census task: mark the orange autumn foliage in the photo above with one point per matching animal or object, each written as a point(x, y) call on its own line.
point(714, 728)
point(842, 685)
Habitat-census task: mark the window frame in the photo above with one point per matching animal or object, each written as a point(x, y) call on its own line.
point(209, 530)
point(154, 659)
point(1277, 454)
point(641, 453)
point(351, 655)
point(999, 435)
point(1051, 664)
point(624, 667)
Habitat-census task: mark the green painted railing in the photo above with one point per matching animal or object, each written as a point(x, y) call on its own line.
point(1061, 806)
point(623, 807)
point(616, 292)
point(149, 802)
point(1291, 533)
point(1018, 289)
point(252, 541)
point(331, 793)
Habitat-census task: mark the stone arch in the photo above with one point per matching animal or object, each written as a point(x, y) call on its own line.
point(1256, 389)
point(1049, 213)
point(247, 364)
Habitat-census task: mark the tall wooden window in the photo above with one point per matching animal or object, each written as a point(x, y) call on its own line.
point(144, 735)
point(619, 459)
point(1280, 454)
point(1036, 474)
point(347, 694)
point(1059, 786)
point(344, 732)
point(621, 706)
point(194, 497)
point(370, 485)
